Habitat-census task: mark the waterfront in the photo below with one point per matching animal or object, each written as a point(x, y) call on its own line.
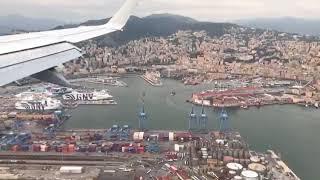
point(292, 130)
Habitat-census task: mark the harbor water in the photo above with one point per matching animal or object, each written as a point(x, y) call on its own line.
point(292, 130)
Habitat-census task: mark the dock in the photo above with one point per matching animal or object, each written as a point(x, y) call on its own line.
point(100, 102)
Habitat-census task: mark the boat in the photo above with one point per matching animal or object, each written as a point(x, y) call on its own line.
point(60, 90)
point(39, 104)
point(244, 106)
point(153, 78)
point(37, 100)
point(108, 81)
point(88, 96)
point(30, 95)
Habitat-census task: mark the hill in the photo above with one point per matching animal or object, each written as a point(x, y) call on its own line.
point(154, 25)
point(11, 23)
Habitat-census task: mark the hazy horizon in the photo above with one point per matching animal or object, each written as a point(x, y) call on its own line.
point(206, 10)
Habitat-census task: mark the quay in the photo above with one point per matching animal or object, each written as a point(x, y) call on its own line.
point(244, 97)
point(109, 81)
point(99, 102)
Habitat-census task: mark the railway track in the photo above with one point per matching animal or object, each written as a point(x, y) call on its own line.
point(60, 157)
point(61, 163)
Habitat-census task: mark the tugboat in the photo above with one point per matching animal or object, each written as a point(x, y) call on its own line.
point(173, 93)
point(244, 106)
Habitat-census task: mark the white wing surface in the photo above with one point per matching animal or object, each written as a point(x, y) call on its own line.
point(23, 55)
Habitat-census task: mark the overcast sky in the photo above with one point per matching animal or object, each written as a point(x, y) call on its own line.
point(208, 10)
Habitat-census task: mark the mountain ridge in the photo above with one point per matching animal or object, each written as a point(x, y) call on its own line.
point(15, 22)
point(284, 24)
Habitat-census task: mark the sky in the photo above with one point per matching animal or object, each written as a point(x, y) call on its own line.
point(206, 10)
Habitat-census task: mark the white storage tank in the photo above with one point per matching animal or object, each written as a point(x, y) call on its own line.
point(257, 167)
point(204, 149)
point(232, 173)
point(237, 178)
point(249, 175)
point(254, 159)
point(71, 169)
point(234, 166)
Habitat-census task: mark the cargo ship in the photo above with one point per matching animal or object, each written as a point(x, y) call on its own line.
point(153, 78)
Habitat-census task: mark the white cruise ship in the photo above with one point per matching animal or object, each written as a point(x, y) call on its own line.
point(39, 104)
point(88, 96)
point(37, 101)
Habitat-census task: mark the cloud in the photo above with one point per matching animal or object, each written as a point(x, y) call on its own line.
point(210, 10)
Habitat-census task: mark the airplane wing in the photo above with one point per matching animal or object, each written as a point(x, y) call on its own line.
point(37, 54)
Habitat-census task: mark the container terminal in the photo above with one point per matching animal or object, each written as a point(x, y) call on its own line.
point(33, 145)
point(37, 147)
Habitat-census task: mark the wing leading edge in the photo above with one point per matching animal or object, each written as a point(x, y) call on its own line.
point(24, 55)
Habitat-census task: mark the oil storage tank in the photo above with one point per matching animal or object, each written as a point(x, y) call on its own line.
point(249, 175)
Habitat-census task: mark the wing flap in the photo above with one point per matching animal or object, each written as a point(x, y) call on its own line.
point(31, 63)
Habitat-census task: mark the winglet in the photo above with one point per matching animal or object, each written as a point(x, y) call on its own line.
point(120, 19)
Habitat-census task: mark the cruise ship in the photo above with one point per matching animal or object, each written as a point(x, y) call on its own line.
point(37, 100)
point(39, 104)
point(88, 96)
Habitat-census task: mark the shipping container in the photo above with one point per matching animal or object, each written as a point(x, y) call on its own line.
point(15, 148)
point(58, 148)
point(141, 150)
point(227, 159)
point(132, 149)
point(36, 147)
point(98, 137)
point(44, 148)
point(92, 148)
point(71, 148)
point(25, 148)
point(71, 169)
point(83, 148)
point(171, 136)
point(65, 148)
